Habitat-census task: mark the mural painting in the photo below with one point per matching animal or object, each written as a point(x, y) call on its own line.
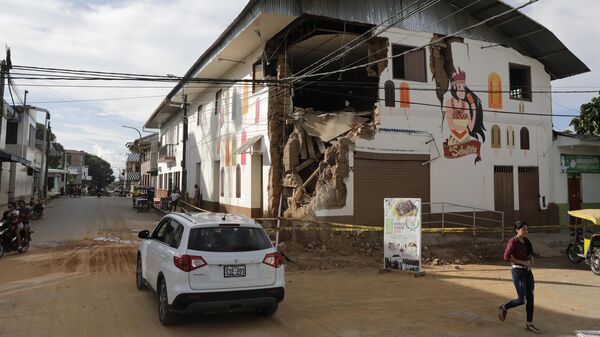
point(464, 115)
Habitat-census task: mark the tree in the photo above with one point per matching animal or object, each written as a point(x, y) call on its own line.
point(55, 158)
point(99, 169)
point(588, 121)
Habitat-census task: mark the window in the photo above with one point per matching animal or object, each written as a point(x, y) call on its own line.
point(390, 99)
point(257, 75)
point(520, 82)
point(198, 113)
point(218, 101)
point(494, 91)
point(161, 230)
point(234, 103)
point(524, 139)
point(222, 182)
point(173, 238)
point(496, 142)
point(228, 239)
point(404, 95)
point(31, 136)
point(410, 66)
point(510, 137)
point(238, 181)
point(12, 129)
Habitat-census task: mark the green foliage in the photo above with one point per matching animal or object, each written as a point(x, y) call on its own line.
point(588, 121)
point(99, 169)
point(55, 159)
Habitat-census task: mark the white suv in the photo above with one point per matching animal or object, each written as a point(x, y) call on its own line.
point(210, 262)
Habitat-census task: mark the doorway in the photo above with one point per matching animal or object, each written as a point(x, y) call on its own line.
point(574, 190)
point(504, 195)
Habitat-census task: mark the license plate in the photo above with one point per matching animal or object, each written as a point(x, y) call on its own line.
point(234, 271)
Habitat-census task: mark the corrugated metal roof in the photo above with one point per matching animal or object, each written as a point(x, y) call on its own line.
point(515, 29)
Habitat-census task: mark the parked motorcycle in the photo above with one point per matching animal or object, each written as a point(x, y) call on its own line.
point(37, 210)
point(8, 241)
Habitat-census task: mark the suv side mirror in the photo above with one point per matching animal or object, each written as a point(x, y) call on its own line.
point(144, 234)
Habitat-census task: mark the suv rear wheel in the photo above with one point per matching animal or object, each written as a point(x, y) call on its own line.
point(165, 314)
point(139, 279)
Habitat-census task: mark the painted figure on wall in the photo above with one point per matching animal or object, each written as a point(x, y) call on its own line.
point(464, 115)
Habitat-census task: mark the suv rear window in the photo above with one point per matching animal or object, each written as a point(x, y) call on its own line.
point(228, 239)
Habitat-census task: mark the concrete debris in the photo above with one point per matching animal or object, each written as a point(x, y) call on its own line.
point(377, 50)
point(292, 180)
point(331, 191)
point(291, 152)
point(441, 63)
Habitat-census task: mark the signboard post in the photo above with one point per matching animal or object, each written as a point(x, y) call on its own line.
point(402, 234)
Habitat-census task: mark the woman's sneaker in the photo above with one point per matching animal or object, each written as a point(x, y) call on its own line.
point(502, 313)
point(532, 328)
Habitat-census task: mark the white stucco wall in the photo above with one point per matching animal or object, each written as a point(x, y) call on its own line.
point(208, 141)
point(460, 180)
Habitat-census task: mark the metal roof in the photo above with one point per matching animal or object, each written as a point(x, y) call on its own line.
point(527, 37)
point(514, 29)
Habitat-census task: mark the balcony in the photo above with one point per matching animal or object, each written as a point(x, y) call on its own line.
point(167, 153)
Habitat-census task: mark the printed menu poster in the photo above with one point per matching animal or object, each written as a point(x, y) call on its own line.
point(402, 234)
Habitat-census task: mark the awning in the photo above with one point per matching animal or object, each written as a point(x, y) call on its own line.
point(153, 172)
point(9, 157)
point(247, 147)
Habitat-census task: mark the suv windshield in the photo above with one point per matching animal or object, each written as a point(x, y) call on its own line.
point(228, 239)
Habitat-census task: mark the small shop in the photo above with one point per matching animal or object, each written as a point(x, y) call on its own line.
point(577, 182)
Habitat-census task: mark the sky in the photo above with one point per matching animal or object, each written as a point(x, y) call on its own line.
point(166, 37)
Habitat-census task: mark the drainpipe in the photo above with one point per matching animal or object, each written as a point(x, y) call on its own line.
point(184, 155)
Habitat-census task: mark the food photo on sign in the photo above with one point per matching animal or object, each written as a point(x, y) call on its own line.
point(402, 234)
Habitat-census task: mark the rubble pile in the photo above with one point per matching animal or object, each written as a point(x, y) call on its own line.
point(315, 159)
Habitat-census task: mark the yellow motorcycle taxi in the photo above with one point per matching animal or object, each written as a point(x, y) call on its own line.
point(586, 246)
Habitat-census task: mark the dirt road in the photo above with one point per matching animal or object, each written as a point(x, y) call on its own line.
point(86, 288)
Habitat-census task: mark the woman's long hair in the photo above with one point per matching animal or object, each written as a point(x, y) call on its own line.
point(478, 127)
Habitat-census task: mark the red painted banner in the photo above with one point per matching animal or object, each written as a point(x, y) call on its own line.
point(463, 149)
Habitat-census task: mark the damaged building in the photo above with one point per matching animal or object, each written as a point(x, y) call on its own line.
point(327, 108)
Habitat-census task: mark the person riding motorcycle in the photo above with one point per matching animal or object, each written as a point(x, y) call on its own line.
point(25, 216)
point(12, 218)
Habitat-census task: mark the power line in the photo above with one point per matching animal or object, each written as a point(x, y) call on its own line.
point(97, 99)
point(444, 106)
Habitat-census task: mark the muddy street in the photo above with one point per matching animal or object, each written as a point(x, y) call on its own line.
point(78, 280)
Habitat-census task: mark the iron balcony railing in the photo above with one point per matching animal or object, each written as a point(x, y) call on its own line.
point(167, 152)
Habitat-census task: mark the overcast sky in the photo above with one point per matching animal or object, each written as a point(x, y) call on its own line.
point(166, 37)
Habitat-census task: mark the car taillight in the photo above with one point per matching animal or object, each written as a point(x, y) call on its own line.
point(273, 259)
point(188, 263)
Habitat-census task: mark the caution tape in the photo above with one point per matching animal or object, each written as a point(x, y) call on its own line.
point(192, 206)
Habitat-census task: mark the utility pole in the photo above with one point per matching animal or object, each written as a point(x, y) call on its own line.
point(183, 159)
point(5, 65)
point(47, 136)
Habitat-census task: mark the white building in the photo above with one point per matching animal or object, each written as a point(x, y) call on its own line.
point(414, 113)
point(23, 160)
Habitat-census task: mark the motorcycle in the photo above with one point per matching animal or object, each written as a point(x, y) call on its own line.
point(37, 211)
point(8, 241)
point(575, 249)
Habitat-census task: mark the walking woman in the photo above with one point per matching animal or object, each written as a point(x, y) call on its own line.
point(519, 253)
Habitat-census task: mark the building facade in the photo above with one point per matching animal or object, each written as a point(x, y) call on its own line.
point(409, 110)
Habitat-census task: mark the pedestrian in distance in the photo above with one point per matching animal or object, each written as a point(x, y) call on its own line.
point(197, 196)
point(174, 198)
point(519, 253)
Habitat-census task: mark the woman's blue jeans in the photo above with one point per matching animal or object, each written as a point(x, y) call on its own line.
point(524, 283)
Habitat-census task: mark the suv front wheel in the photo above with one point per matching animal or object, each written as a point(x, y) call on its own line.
point(165, 314)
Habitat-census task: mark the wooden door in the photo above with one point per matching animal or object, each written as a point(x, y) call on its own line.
point(574, 190)
point(529, 195)
point(504, 193)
